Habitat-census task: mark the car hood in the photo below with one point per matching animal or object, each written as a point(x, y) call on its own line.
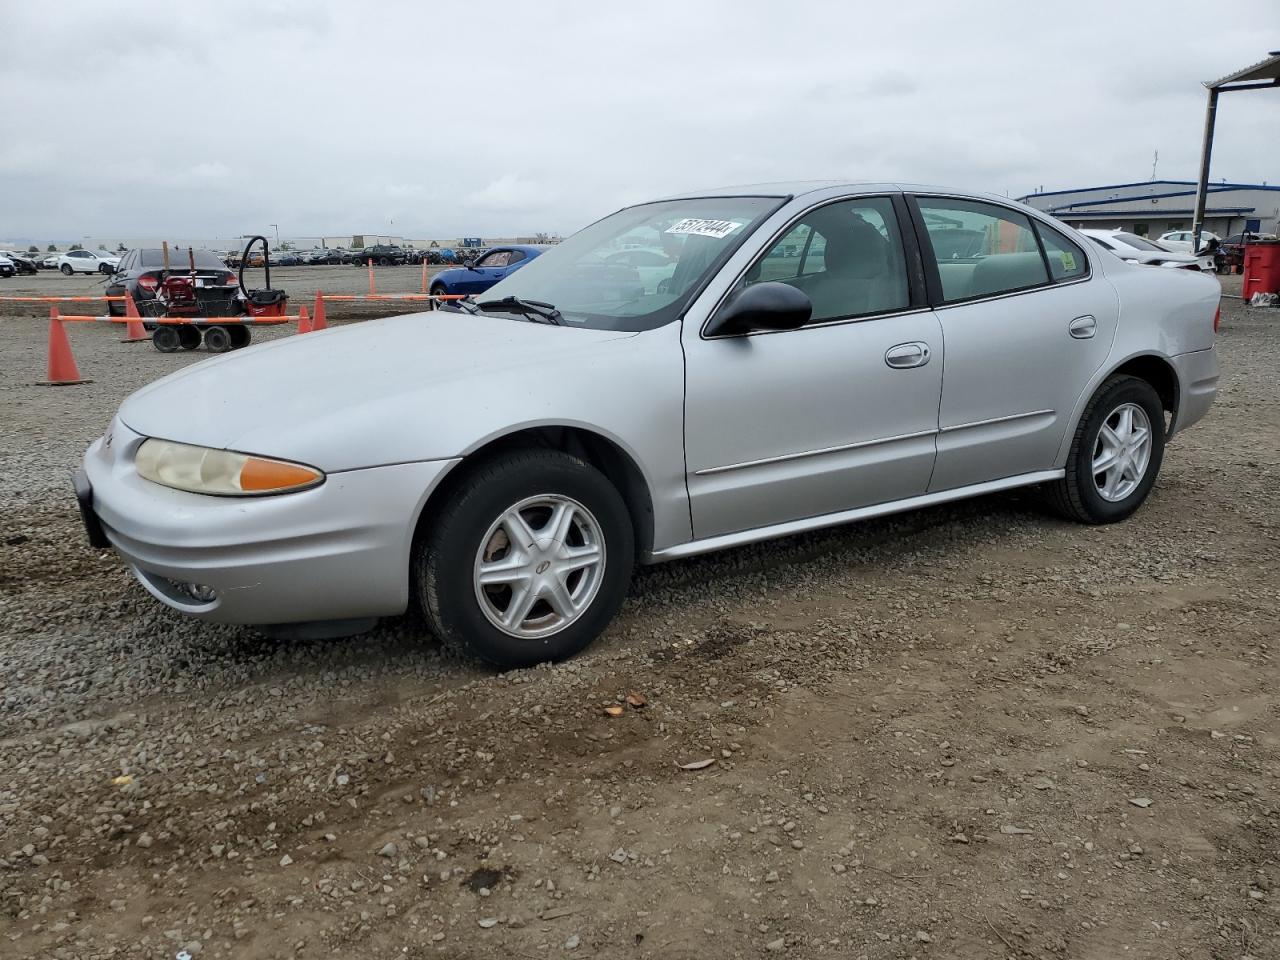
point(370, 393)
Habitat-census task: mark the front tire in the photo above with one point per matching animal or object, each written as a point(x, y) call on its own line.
point(527, 561)
point(1115, 455)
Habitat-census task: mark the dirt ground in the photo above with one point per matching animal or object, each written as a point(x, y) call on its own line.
point(974, 731)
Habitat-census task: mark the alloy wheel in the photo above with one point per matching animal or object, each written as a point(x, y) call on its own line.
point(1121, 452)
point(539, 566)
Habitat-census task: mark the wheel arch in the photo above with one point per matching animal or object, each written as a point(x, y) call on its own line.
point(606, 454)
point(1156, 369)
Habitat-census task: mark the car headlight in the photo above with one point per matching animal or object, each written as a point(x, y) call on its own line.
point(220, 472)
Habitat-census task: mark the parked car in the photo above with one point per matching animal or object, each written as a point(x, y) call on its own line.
point(1179, 241)
point(22, 262)
point(7, 267)
point(141, 271)
point(285, 258)
point(504, 463)
point(382, 254)
point(50, 262)
point(87, 261)
point(324, 256)
point(480, 274)
point(1136, 249)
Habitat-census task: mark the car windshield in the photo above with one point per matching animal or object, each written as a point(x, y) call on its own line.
point(678, 245)
point(1139, 243)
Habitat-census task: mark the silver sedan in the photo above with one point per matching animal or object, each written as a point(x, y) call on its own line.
point(808, 354)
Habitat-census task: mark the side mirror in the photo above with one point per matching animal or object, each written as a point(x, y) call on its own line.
point(762, 306)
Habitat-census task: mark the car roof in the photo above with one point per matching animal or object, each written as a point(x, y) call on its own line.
point(798, 188)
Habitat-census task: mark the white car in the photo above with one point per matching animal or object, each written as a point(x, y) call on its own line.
point(1179, 241)
point(7, 267)
point(87, 261)
point(1135, 249)
point(50, 262)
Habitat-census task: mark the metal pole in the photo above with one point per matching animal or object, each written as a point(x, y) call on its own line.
point(1202, 188)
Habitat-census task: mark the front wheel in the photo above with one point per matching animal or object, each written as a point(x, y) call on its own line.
point(527, 561)
point(1115, 455)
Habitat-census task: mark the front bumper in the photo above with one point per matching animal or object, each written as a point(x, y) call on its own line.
point(337, 551)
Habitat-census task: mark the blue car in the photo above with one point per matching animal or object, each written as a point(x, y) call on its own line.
point(479, 276)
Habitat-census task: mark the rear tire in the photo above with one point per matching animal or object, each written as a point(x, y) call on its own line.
point(188, 336)
point(217, 339)
point(1115, 454)
point(66, 270)
point(550, 613)
point(166, 338)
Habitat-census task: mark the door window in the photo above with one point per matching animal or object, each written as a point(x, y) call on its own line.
point(846, 256)
point(981, 249)
point(515, 256)
point(1066, 260)
point(499, 258)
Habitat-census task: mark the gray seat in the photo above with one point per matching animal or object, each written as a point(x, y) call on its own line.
point(860, 275)
point(1006, 271)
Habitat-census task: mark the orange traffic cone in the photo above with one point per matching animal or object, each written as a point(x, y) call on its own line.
point(318, 322)
point(134, 331)
point(304, 321)
point(372, 289)
point(63, 371)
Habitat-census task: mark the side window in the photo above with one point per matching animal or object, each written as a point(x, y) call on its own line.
point(1066, 260)
point(981, 249)
point(496, 259)
point(515, 257)
point(847, 256)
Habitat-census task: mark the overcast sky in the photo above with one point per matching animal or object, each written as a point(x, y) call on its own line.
point(490, 118)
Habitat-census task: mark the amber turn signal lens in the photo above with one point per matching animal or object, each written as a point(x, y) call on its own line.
point(261, 476)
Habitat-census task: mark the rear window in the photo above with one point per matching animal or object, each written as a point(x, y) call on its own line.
point(205, 259)
point(1139, 243)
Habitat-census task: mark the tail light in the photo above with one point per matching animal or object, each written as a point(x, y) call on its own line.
point(149, 282)
point(1217, 318)
point(230, 280)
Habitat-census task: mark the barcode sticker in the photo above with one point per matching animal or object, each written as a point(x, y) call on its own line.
point(719, 229)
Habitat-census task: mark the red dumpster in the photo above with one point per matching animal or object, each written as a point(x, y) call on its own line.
point(1261, 268)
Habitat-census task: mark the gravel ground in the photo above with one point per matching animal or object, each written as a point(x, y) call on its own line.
point(974, 731)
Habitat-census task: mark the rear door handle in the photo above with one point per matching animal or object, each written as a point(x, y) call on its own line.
point(1082, 328)
point(906, 355)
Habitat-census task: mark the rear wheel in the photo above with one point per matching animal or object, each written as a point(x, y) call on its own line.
point(66, 270)
point(1115, 455)
point(166, 338)
point(217, 339)
point(528, 561)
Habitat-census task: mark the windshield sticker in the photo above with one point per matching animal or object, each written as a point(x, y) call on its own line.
point(719, 229)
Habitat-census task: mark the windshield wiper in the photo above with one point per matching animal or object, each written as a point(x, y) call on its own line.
point(466, 306)
point(547, 312)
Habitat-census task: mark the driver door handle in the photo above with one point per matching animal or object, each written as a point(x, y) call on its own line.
point(907, 355)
